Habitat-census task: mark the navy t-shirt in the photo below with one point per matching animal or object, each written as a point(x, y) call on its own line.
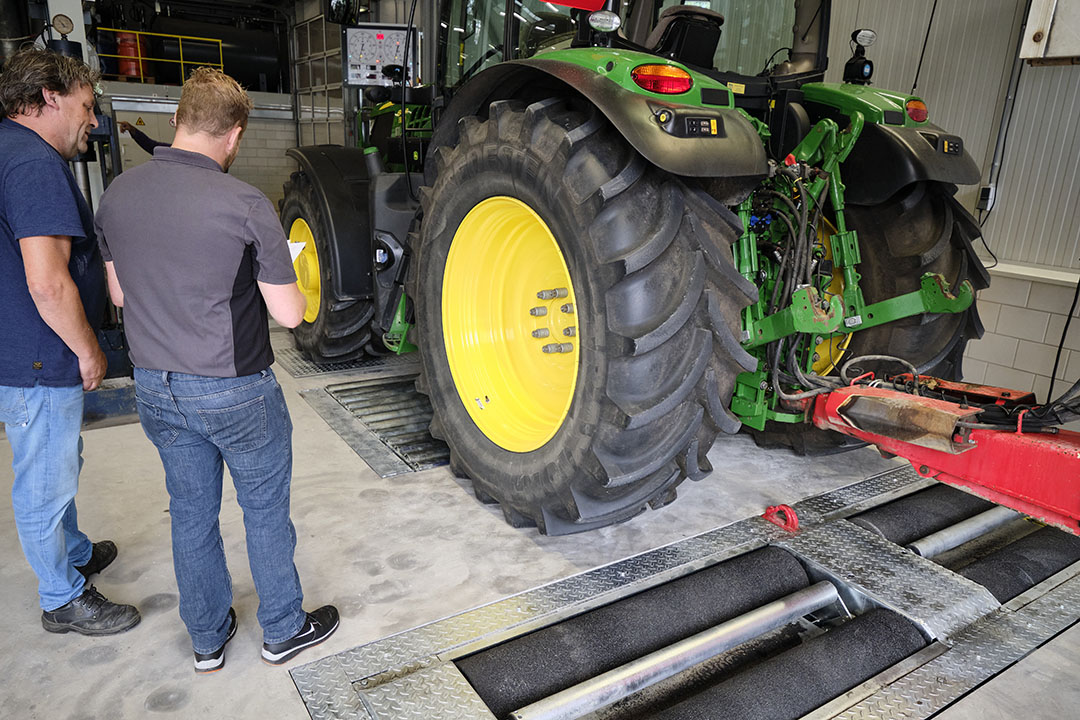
point(38, 196)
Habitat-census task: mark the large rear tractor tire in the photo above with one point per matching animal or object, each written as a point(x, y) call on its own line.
point(332, 330)
point(921, 229)
point(577, 310)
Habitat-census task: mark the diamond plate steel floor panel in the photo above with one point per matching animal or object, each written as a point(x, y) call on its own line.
point(977, 653)
point(940, 602)
point(409, 675)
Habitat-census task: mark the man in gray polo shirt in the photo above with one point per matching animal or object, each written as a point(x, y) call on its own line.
point(196, 258)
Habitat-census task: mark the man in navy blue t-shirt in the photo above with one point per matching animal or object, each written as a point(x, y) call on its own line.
point(52, 295)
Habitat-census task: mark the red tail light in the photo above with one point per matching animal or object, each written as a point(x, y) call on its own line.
point(916, 110)
point(663, 79)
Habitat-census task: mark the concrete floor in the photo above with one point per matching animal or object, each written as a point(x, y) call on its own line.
point(391, 554)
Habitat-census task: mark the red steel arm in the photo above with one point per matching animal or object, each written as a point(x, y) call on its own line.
point(1035, 473)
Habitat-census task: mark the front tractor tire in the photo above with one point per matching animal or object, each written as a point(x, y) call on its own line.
point(577, 312)
point(332, 330)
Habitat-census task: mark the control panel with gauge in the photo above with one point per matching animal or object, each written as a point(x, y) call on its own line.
point(369, 49)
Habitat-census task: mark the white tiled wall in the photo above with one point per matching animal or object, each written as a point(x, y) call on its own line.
point(1024, 319)
point(262, 160)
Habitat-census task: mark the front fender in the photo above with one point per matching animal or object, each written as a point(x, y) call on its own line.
point(341, 178)
point(735, 151)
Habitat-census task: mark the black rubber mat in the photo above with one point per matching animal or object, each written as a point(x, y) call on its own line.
point(1025, 563)
point(523, 670)
point(922, 513)
point(805, 677)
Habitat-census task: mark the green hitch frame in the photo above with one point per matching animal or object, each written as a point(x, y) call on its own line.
point(825, 147)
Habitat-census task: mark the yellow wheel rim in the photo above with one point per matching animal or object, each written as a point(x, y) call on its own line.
point(829, 349)
point(308, 276)
point(512, 353)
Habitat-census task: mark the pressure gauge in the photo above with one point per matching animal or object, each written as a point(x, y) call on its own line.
point(62, 24)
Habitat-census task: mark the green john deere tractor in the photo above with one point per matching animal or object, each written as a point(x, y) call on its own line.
point(615, 230)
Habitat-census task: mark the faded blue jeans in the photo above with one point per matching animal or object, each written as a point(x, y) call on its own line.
point(197, 423)
point(42, 424)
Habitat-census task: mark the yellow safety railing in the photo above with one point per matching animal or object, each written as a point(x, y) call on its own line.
point(139, 59)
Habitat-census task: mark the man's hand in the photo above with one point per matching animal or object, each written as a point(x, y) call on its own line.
point(124, 126)
point(92, 369)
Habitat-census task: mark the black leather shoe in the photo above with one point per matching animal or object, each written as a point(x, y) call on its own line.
point(91, 614)
point(101, 556)
point(320, 625)
point(212, 662)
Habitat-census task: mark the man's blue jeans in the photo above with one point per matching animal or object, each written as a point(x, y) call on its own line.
point(42, 425)
point(196, 423)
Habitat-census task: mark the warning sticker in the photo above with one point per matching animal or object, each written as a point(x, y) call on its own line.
point(140, 122)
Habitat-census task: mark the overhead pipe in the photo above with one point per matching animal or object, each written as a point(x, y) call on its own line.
point(614, 685)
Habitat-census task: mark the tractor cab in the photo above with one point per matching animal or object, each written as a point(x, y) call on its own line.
point(762, 51)
point(759, 47)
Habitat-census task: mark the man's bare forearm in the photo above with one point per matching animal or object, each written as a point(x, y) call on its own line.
point(61, 308)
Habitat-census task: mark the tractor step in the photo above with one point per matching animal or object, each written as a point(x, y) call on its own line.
point(909, 634)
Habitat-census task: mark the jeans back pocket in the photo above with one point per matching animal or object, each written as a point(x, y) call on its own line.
point(240, 428)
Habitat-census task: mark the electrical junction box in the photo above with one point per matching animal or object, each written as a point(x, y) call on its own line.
point(368, 49)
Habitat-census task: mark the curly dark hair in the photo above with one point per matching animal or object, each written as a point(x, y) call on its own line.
point(30, 71)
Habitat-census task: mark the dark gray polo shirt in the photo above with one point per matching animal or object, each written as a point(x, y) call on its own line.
point(188, 243)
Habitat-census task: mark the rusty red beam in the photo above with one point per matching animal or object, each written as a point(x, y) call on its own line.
point(1037, 474)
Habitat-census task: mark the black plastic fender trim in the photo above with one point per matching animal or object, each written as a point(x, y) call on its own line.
point(887, 158)
point(341, 179)
point(736, 151)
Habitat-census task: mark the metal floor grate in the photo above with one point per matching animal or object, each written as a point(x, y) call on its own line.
point(293, 360)
point(385, 420)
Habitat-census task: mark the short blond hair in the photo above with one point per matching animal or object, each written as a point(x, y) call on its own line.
point(212, 102)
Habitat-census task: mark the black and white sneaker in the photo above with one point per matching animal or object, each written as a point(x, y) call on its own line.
point(320, 625)
point(212, 662)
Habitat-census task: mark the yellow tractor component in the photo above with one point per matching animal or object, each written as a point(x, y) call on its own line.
point(308, 273)
point(829, 349)
point(510, 324)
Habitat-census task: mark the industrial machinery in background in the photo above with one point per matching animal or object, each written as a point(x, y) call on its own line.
point(615, 230)
point(254, 40)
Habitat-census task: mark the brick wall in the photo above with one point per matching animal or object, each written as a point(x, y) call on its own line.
point(262, 160)
point(1024, 316)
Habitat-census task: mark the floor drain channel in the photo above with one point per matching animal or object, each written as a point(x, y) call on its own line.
point(293, 360)
point(397, 414)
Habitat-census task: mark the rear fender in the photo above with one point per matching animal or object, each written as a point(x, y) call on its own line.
point(736, 151)
point(342, 178)
point(887, 158)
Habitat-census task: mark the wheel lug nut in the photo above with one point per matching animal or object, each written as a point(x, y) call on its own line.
point(570, 331)
point(538, 311)
point(567, 308)
point(540, 333)
point(558, 348)
point(552, 294)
